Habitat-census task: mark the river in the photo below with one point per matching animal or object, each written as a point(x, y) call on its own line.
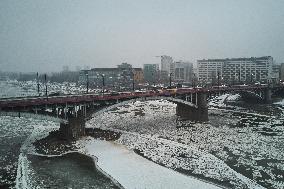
point(240, 147)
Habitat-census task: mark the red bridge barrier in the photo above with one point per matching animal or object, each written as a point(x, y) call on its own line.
point(37, 101)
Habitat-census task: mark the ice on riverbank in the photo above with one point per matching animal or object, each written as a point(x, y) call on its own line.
point(134, 171)
point(237, 139)
point(25, 174)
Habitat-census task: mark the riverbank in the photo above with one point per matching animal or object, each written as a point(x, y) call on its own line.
point(124, 167)
point(219, 151)
point(134, 171)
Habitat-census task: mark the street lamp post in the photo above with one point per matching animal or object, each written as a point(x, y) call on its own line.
point(45, 80)
point(218, 79)
point(171, 80)
point(133, 84)
point(193, 81)
point(87, 75)
point(103, 77)
point(37, 79)
point(239, 77)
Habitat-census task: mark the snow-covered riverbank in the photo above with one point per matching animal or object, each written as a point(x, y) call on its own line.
point(134, 171)
point(230, 150)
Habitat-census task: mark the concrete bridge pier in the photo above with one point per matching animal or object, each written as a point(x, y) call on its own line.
point(267, 95)
point(202, 107)
point(74, 129)
point(199, 113)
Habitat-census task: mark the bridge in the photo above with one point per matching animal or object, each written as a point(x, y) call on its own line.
point(191, 103)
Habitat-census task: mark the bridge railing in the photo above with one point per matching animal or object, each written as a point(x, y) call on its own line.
point(34, 116)
point(37, 101)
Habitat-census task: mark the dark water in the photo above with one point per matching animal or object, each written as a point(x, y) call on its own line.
point(13, 133)
point(69, 171)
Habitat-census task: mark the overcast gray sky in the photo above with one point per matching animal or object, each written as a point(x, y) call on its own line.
point(45, 35)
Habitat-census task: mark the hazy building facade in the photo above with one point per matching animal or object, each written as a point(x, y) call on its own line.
point(108, 77)
point(275, 75)
point(235, 70)
point(124, 65)
point(119, 78)
point(208, 70)
point(183, 71)
point(281, 72)
point(151, 73)
point(166, 62)
point(255, 69)
point(138, 75)
point(167, 67)
point(164, 76)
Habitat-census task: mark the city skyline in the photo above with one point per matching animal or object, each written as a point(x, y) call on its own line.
point(44, 36)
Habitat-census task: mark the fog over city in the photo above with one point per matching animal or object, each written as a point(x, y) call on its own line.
point(46, 35)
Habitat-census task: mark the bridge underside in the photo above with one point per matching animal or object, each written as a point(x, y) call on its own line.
point(197, 112)
point(191, 113)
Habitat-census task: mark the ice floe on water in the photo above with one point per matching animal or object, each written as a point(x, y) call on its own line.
point(14, 133)
point(234, 97)
point(25, 173)
point(227, 151)
point(281, 102)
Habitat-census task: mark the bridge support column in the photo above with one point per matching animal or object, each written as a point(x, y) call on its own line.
point(74, 129)
point(202, 107)
point(192, 113)
point(267, 95)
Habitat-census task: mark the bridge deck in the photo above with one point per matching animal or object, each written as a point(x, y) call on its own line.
point(57, 100)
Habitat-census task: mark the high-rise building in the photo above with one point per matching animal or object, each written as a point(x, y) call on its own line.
point(138, 75)
point(209, 69)
point(282, 72)
point(151, 73)
point(254, 69)
point(275, 74)
point(166, 62)
point(183, 71)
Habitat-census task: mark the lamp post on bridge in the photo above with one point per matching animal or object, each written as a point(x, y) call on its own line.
point(171, 80)
point(193, 81)
point(87, 80)
point(239, 77)
point(103, 77)
point(37, 79)
point(45, 80)
point(218, 79)
point(133, 84)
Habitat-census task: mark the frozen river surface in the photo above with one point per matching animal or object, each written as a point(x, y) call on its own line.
point(134, 171)
point(240, 147)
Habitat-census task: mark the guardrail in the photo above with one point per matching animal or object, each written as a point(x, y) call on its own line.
point(34, 116)
point(37, 101)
